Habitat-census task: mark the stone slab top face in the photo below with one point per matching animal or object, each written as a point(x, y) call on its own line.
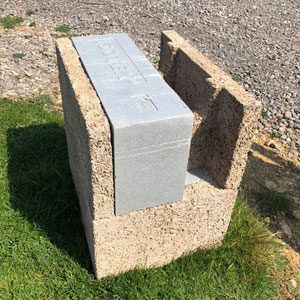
point(130, 88)
point(151, 125)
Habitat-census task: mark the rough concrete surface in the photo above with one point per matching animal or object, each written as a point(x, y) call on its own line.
point(225, 115)
point(154, 236)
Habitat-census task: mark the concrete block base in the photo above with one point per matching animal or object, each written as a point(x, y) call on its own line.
point(155, 236)
point(147, 237)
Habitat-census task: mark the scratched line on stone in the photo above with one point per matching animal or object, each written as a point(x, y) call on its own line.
point(131, 60)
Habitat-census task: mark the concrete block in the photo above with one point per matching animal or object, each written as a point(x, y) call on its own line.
point(225, 115)
point(155, 236)
point(151, 125)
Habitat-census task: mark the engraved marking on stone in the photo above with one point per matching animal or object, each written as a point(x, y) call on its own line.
point(134, 80)
point(113, 60)
point(119, 68)
point(147, 106)
point(107, 49)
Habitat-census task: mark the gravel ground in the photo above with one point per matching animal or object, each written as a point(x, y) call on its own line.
point(256, 42)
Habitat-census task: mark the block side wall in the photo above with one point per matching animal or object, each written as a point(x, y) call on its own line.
point(88, 133)
point(199, 83)
point(231, 127)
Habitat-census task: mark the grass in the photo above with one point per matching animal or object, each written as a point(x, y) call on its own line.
point(274, 135)
point(63, 28)
point(43, 100)
point(58, 36)
point(18, 55)
point(9, 22)
point(263, 113)
point(43, 251)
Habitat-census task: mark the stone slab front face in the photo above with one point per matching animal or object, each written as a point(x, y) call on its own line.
point(151, 125)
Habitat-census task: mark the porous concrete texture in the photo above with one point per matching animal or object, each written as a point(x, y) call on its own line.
point(225, 115)
point(151, 125)
point(157, 235)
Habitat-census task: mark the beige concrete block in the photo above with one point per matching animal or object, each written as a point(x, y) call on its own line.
point(225, 115)
point(155, 236)
point(152, 236)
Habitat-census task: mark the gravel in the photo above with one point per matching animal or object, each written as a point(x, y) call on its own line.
point(256, 42)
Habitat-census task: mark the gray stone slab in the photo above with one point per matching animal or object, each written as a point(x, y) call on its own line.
point(151, 125)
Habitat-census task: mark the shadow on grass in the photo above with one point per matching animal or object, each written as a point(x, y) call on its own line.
point(274, 187)
point(41, 186)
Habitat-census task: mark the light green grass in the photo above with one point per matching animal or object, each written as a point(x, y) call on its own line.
point(43, 251)
point(43, 100)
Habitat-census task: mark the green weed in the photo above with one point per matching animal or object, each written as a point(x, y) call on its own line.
point(263, 113)
point(29, 12)
point(63, 28)
point(9, 22)
point(236, 79)
point(275, 135)
point(18, 55)
point(42, 100)
point(58, 36)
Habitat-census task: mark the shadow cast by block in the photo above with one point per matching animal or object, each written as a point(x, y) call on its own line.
point(272, 183)
point(41, 186)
